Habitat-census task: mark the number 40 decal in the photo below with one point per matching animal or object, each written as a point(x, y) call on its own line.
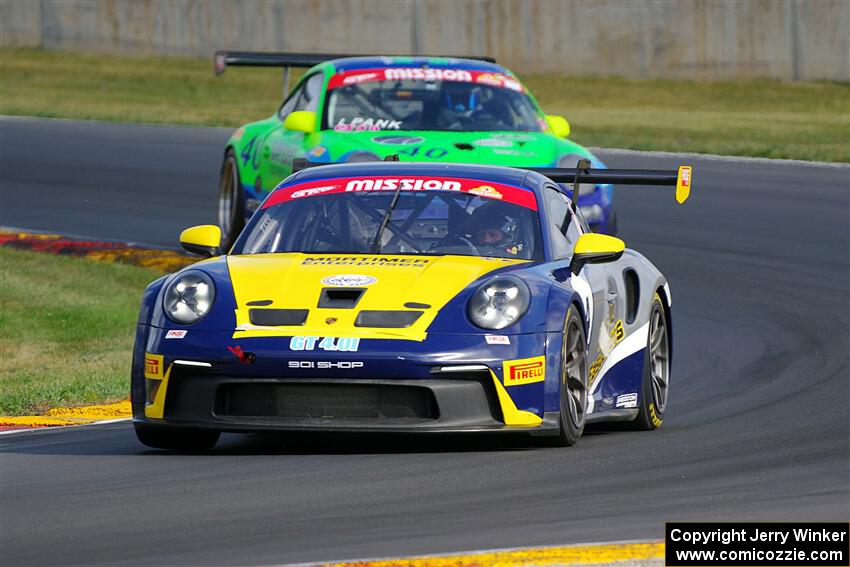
point(432, 153)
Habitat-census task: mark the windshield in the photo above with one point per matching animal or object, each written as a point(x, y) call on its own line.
point(330, 217)
point(429, 99)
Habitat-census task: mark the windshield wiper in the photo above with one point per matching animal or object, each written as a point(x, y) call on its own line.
point(376, 244)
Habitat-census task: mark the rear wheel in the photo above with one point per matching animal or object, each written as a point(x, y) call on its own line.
point(177, 439)
point(573, 380)
point(656, 373)
point(231, 202)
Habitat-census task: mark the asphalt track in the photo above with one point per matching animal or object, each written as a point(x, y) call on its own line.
point(758, 426)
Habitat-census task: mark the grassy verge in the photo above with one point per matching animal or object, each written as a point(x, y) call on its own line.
point(66, 330)
point(753, 118)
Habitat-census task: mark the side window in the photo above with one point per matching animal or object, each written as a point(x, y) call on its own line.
point(308, 99)
point(564, 229)
point(289, 105)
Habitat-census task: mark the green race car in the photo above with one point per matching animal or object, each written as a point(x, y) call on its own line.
point(424, 109)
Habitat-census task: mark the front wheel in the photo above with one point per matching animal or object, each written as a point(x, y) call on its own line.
point(656, 373)
point(231, 202)
point(177, 439)
point(573, 381)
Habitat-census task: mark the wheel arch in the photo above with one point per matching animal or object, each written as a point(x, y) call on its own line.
point(661, 290)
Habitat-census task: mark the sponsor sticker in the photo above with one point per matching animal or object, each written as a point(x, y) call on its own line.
point(398, 140)
point(176, 334)
point(326, 364)
point(154, 366)
point(486, 191)
point(497, 339)
point(427, 74)
point(391, 184)
point(353, 79)
point(627, 400)
point(244, 357)
point(309, 192)
point(359, 124)
point(330, 344)
point(524, 371)
point(349, 280)
point(493, 143)
point(484, 188)
point(366, 261)
point(686, 177)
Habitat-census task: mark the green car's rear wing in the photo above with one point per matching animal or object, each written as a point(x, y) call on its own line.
point(223, 59)
point(678, 178)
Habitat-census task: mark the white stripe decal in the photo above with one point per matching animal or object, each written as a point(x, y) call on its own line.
point(630, 345)
point(583, 289)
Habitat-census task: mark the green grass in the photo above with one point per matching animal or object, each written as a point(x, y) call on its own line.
point(66, 330)
point(752, 118)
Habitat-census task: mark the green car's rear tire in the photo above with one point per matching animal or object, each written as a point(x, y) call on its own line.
point(231, 202)
point(177, 439)
point(656, 373)
point(573, 381)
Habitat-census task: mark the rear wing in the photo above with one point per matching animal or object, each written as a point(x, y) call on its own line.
point(223, 59)
point(679, 178)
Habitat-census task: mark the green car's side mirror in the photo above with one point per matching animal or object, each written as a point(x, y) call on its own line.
point(301, 121)
point(203, 240)
point(559, 125)
point(595, 249)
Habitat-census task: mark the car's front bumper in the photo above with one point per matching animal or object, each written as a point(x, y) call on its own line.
point(199, 398)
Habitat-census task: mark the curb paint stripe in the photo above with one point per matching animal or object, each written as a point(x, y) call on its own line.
point(70, 416)
point(99, 251)
point(516, 557)
point(8, 430)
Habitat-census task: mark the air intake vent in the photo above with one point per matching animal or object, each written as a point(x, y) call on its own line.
point(326, 401)
point(387, 319)
point(277, 317)
point(340, 298)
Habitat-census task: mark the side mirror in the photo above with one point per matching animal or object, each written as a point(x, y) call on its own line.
point(559, 125)
point(301, 121)
point(202, 240)
point(595, 249)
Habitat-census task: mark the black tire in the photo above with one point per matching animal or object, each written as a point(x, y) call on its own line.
point(656, 370)
point(573, 380)
point(231, 202)
point(177, 439)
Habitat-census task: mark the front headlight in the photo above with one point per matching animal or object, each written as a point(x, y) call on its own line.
point(499, 302)
point(189, 297)
point(570, 160)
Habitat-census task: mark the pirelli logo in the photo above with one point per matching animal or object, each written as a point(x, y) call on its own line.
point(153, 366)
point(524, 371)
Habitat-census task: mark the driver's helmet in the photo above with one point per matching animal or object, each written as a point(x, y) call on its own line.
point(493, 228)
point(463, 98)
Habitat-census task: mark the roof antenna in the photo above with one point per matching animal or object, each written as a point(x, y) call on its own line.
point(392, 157)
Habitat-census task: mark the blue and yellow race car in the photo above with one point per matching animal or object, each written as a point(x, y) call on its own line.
point(408, 297)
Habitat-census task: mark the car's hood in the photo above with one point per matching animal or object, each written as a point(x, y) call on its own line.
point(496, 148)
point(390, 283)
